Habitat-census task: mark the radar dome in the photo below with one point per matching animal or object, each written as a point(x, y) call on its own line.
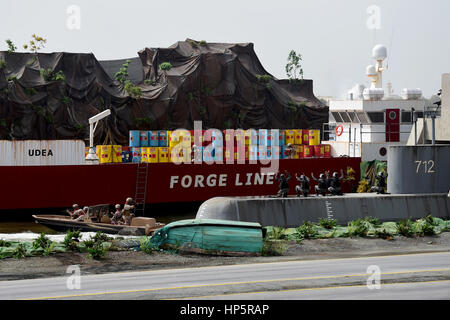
point(371, 70)
point(379, 52)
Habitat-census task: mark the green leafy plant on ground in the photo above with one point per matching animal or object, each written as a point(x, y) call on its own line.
point(97, 251)
point(307, 230)
point(277, 233)
point(71, 240)
point(423, 227)
point(4, 243)
point(97, 245)
point(147, 246)
point(328, 223)
point(20, 252)
point(273, 248)
point(358, 228)
point(383, 234)
point(405, 228)
point(41, 242)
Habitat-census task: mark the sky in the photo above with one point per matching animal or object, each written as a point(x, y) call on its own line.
point(334, 37)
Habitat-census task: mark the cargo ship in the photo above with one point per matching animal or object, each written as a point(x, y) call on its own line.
point(38, 177)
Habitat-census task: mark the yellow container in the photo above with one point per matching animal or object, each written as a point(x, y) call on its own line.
point(105, 154)
point(152, 155)
point(298, 137)
point(314, 137)
point(117, 154)
point(298, 152)
point(289, 136)
point(144, 154)
point(179, 154)
point(163, 155)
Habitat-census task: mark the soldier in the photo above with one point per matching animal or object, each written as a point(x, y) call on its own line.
point(74, 214)
point(321, 186)
point(82, 214)
point(380, 183)
point(117, 216)
point(289, 151)
point(335, 184)
point(126, 212)
point(304, 186)
point(284, 184)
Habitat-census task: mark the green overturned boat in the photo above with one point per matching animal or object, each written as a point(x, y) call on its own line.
point(211, 236)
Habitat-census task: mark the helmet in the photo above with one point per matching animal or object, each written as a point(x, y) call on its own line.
point(85, 208)
point(117, 206)
point(129, 199)
point(302, 176)
point(335, 174)
point(75, 206)
point(322, 176)
point(380, 174)
point(282, 175)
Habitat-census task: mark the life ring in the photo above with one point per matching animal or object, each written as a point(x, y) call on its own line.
point(339, 130)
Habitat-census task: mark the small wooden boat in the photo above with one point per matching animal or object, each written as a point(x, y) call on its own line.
point(211, 236)
point(96, 221)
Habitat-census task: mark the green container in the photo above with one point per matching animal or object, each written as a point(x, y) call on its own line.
point(210, 236)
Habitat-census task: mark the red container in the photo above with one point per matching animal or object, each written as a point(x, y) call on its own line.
point(308, 152)
point(319, 151)
point(327, 150)
point(305, 138)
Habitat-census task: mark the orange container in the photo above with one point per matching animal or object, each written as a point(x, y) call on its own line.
point(298, 136)
point(326, 150)
point(319, 151)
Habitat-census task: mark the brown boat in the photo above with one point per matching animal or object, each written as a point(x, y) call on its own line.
point(98, 220)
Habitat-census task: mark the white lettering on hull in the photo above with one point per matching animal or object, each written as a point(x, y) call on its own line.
point(221, 180)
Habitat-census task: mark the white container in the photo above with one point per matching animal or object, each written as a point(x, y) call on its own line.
point(41, 152)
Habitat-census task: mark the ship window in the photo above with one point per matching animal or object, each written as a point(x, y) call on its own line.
point(344, 116)
point(353, 117)
point(336, 116)
point(406, 117)
point(376, 117)
point(362, 117)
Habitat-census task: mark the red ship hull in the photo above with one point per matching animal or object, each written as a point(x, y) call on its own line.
point(32, 187)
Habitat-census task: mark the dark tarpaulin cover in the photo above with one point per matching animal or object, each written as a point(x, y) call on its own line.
point(217, 83)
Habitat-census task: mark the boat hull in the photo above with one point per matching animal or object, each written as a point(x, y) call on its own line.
point(32, 187)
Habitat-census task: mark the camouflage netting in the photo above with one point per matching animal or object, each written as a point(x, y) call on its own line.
point(52, 96)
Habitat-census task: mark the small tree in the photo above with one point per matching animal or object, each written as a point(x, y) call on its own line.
point(293, 67)
point(36, 43)
point(11, 47)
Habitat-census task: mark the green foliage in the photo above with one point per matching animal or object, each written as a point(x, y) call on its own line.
point(132, 90)
point(165, 66)
point(4, 243)
point(144, 122)
point(150, 82)
point(307, 230)
point(383, 234)
point(424, 227)
point(273, 248)
point(277, 233)
point(405, 228)
point(50, 75)
point(41, 242)
point(97, 251)
point(11, 47)
point(147, 246)
point(30, 91)
point(20, 251)
point(202, 43)
point(48, 249)
point(11, 78)
point(372, 220)
point(193, 43)
point(36, 43)
point(122, 75)
point(72, 240)
point(65, 100)
point(263, 78)
point(293, 67)
point(358, 228)
point(364, 186)
point(2, 64)
point(328, 224)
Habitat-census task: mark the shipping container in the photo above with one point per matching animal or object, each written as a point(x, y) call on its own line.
point(298, 137)
point(163, 154)
point(135, 137)
point(314, 137)
point(153, 137)
point(289, 136)
point(41, 152)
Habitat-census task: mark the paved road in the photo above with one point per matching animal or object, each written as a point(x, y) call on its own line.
point(345, 279)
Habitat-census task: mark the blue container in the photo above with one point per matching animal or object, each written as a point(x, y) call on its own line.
point(144, 139)
point(127, 156)
point(136, 154)
point(198, 156)
point(217, 138)
point(153, 138)
point(253, 153)
point(263, 137)
point(135, 138)
point(162, 137)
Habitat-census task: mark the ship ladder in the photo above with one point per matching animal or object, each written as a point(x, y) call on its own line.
point(141, 189)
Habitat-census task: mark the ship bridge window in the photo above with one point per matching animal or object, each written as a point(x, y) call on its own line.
point(345, 117)
point(353, 117)
point(336, 116)
point(406, 117)
point(362, 117)
point(376, 117)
